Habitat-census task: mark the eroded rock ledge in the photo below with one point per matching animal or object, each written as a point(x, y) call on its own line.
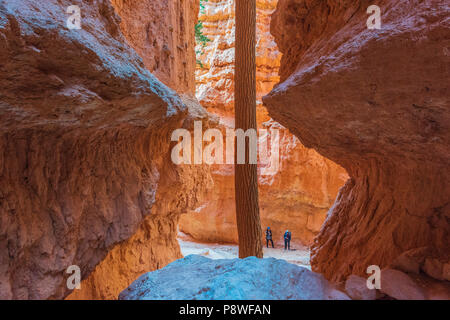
point(84, 142)
point(377, 103)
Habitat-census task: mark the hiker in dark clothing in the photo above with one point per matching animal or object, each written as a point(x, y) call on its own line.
point(287, 240)
point(269, 237)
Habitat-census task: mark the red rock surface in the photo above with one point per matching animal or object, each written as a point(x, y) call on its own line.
point(377, 103)
point(84, 150)
point(299, 195)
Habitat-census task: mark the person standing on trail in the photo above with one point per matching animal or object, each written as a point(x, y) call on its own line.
point(269, 237)
point(287, 240)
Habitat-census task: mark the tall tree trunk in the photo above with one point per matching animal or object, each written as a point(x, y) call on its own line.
point(246, 175)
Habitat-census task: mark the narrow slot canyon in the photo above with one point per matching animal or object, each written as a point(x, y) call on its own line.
point(87, 170)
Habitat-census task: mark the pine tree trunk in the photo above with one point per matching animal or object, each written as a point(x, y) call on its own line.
point(246, 175)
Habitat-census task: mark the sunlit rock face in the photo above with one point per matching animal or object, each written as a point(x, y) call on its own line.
point(299, 195)
point(215, 77)
point(377, 103)
point(162, 33)
point(84, 152)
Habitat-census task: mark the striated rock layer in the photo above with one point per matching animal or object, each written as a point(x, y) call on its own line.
point(377, 103)
point(84, 147)
point(298, 196)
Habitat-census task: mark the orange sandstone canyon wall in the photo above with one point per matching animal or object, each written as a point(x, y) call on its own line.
point(154, 245)
point(162, 33)
point(377, 103)
point(300, 194)
point(84, 152)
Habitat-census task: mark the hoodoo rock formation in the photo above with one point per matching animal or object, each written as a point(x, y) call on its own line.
point(301, 192)
point(377, 103)
point(84, 152)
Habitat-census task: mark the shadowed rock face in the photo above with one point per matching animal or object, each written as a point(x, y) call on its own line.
point(84, 144)
point(377, 103)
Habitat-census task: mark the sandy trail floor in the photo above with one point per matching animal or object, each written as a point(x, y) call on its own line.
point(297, 255)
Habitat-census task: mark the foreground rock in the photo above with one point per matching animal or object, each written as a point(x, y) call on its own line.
point(400, 286)
point(377, 103)
point(197, 277)
point(356, 288)
point(84, 143)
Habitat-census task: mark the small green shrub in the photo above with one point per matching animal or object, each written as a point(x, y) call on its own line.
point(200, 38)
